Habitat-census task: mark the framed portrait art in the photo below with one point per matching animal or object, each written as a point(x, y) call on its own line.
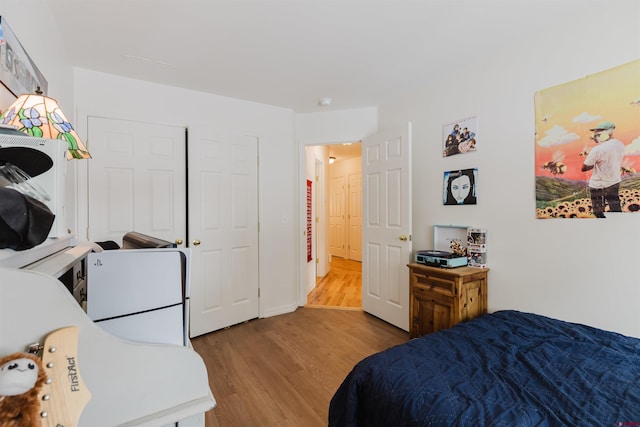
point(460, 187)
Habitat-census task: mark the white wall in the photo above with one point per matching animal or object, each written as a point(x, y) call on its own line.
point(82, 93)
point(579, 270)
point(336, 126)
point(99, 94)
point(316, 155)
point(582, 270)
point(43, 48)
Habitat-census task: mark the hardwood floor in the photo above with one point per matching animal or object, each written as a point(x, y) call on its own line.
point(283, 370)
point(341, 287)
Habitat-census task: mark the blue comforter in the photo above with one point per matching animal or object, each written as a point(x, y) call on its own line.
point(503, 369)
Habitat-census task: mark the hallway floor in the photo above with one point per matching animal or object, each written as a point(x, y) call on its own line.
point(340, 288)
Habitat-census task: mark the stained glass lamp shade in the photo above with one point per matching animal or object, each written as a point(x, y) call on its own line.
point(40, 116)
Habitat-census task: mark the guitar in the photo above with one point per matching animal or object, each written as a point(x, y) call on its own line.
point(64, 394)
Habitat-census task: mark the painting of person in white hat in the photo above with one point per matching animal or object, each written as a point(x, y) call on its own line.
point(604, 160)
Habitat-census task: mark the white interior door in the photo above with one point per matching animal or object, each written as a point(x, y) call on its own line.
point(386, 229)
point(223, 228)
point(137, 180)
point(337, 230)
point(355, 217)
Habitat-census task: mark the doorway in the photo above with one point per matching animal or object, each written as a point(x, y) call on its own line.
point(337, 232)
point(386, 224)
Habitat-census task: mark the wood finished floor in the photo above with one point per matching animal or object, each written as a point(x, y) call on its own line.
point(283, 370)
point(341, 287)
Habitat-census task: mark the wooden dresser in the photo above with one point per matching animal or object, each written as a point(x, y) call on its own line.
point(441, 298)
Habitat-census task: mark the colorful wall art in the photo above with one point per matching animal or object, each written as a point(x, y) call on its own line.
point(587, 145)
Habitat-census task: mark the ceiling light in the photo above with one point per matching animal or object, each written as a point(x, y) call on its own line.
point(331, 160)
point(325, 102)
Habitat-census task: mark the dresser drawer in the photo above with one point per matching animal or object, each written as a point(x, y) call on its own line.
point(423, 294)
point(435, 284)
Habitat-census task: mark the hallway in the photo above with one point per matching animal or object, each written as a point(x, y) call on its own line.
point(340, 288)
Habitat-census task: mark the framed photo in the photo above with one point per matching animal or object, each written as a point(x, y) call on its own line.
point(460, 137)
point(18, 73)
point(460, 187)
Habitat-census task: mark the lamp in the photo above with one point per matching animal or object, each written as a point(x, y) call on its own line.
point(331, 160)
point(41, 116)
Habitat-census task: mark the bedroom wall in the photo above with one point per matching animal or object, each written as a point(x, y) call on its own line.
point(334, 127)
point(22, 18)
point(579, 270)
point(40, 45)
point(319, 155)
point(117, 97)
point(582, 270)
point(81, 92)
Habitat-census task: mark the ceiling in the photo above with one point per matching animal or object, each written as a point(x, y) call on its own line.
point(291, 53)
point(345, 151)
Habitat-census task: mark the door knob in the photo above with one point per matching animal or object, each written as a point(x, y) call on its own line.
point(403, 237)
point(178, 241)
point(196, 243)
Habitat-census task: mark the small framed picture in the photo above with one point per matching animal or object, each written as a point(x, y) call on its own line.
point(460, 137)
point(460, 187)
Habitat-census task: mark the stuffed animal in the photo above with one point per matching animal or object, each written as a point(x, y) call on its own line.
point(457, 248)
point(21, 378)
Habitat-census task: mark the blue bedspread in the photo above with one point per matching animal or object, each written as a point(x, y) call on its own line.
point(503, 369)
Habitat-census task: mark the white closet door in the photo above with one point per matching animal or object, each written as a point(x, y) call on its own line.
point(137, 180)
point(223, 224)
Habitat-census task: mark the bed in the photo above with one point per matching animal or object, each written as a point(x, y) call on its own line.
point(508, 368)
